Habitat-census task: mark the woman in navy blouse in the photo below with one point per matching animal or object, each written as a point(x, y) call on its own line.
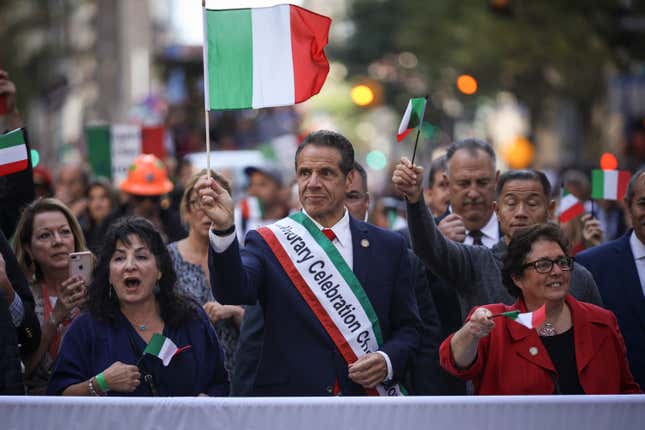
point(132, 297)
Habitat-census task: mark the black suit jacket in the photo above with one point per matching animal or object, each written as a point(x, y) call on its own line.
point(612, 266)
point(29, 331)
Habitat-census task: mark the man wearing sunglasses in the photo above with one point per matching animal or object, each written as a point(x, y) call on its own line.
point(523, 200)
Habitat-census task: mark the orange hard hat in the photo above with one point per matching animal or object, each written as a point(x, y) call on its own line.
point(147, 176)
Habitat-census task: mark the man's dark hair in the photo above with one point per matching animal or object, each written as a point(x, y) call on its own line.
point(361, 171)
point(629, 195)
point(524, 175)
point(174, 307)
point(473, 146)
point(520, 246)
point(334, 140)
point(437, 165)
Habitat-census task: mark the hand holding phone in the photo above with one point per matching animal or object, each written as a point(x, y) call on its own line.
point(80, 264)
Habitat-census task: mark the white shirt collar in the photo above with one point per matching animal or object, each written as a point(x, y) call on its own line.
point(638, 249)
point(491, 229)
point(341, 228)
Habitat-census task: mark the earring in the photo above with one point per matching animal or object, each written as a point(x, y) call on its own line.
point(157, 289)
point(110, 292)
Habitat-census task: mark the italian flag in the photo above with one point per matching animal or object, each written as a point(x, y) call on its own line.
point(609, 184)
point(163, 348)
point(252, 208)
point(14, 156)
point(528, 319)
point(570, 207)
point(261, 57)
point(112, 148)
point(412, 118)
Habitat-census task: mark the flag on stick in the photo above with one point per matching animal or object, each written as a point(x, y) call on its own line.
point(261, 57)
point(412, 118)
point(609, 184)
point(163, 348)
point(528, 319)
point(570, 207)
point(14, 156)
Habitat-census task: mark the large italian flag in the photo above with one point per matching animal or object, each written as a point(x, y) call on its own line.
point(261, 57)
point(609, 184)
point(14, 156)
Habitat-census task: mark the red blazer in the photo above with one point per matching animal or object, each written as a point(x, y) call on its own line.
point(513, 359)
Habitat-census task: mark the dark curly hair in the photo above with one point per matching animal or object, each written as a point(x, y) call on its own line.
point(520, 246)
point(175, 308)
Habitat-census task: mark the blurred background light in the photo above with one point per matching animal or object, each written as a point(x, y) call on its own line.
point(376, 160)
point(362, 95)
point(467, 84)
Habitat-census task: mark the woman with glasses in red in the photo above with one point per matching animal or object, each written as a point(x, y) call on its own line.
point(578, 349)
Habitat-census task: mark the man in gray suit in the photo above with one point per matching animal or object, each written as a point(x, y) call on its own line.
point(475, 271)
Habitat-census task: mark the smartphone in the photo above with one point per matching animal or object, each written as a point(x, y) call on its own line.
point(80, 264)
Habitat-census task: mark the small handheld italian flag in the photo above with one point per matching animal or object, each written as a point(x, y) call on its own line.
point(13, 152)
point(252, 208)
point(163, 348)
point(530, 320)
point(570, 207)
point(412, 118)
point(609, 184)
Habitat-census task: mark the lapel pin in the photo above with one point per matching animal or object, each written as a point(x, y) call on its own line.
point(533, 351)
point(365, 243)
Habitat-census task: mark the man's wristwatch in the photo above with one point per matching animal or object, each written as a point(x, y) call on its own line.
point(226, 232)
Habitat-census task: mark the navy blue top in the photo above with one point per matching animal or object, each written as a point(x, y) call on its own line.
point(90, 346)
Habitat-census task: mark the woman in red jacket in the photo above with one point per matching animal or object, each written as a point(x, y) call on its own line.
point(578, 349)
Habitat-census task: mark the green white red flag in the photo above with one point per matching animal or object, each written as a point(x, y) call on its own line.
point(261, 57)
point(528, 319)
point(163, 348)
point(412, 118)
point(570, 206)
point(609, 184)
point(14, 156)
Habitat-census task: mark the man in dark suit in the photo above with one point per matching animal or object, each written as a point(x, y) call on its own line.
point(305, 349)
point(19, 327)
point(424, 377)
point(618, 267)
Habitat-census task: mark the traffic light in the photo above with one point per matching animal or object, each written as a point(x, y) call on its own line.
point(367, 92)
point(362, 95)
point(467, 84)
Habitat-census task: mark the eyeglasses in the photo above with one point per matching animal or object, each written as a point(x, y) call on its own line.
point(544, 265)
point(354, 196)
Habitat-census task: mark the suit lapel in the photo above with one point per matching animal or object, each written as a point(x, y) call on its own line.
point(527, 344)
point(628, 283)
point(361, 253)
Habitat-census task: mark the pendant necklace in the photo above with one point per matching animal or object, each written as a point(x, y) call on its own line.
point(547, 329)
point(142, 327)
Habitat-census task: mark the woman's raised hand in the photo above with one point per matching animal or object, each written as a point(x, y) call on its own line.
point(72, 294)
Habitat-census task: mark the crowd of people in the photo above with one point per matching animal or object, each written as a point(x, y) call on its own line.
point(334, 292)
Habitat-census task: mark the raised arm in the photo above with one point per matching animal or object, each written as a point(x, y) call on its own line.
point(446, 259)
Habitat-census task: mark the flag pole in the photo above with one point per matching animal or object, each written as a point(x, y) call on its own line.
point(206, 116)
point(416, 141)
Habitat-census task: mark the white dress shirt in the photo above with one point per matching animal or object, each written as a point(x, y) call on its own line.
point(490, 233)
point(638, 250)
point(342, 242)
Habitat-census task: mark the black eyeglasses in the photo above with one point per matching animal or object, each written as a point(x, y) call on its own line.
point(544, 265)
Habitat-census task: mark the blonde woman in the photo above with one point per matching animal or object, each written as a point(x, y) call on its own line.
point(46, 234)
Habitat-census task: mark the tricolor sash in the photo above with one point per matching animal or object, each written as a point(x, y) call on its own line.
point(329, 287)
